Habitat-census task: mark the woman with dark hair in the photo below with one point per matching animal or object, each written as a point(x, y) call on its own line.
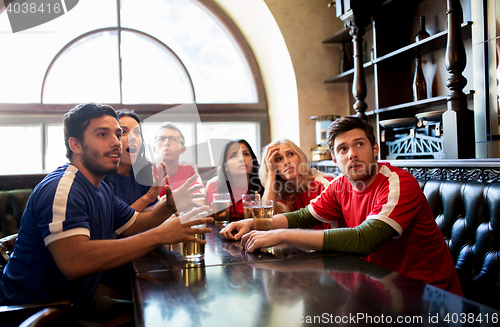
point(238, 174)
point(133, 183)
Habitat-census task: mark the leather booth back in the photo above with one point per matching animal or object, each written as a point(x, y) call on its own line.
point(12, 205)
point(468, 215)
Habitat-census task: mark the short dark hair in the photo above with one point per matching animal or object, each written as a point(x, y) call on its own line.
point(78, 119)
point(345, 124)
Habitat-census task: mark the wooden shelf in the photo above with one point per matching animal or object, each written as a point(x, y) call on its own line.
point(426, 103)
point(385, 33)
point(435, 101)
point(428, 45)
point(348, 75)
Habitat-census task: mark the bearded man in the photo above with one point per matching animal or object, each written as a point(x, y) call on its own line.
point(389, 221)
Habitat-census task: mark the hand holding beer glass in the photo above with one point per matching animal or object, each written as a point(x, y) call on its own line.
point(193, 251)
point(262, 212)
point(221, 208)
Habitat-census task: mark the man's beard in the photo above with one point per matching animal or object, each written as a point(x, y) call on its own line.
point(91, 161)
point(361, 177)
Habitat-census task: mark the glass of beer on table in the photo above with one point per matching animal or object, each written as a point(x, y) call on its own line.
point(221, 208)
point(262, 212)
point(247, 200)
point(192, 251)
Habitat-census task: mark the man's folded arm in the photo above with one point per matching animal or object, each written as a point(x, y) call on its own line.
point(361, 240)
point(301, 218)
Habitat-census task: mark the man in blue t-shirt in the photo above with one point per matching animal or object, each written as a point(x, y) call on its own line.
point(69, 229)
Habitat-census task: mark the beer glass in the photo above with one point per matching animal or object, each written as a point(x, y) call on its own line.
point(262, 212)
point(247, 200)
point(221, 208)
point(193, 251)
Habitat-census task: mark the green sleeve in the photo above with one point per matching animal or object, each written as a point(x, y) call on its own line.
point(361, 240)
point(301, 219)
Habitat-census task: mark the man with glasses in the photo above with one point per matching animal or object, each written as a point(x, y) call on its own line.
point(169, 145)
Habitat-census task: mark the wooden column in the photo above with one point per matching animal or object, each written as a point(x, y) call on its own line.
point(357, 30)
point(458, 120)
point(357, 15)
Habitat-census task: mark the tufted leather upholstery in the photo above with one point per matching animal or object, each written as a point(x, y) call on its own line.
point(12, 205)
point(468, 215)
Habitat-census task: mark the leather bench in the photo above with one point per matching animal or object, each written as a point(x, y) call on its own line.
point(468, 215)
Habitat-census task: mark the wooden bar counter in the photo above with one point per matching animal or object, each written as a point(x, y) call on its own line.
point(288, 286)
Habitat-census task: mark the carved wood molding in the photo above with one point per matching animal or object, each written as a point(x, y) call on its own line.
point(483, 172)
point(483, 175)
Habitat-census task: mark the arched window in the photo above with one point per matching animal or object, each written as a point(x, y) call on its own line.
point(148, 72)
point(148, 58)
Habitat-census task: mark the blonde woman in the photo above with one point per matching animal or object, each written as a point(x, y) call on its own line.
point(288, 178)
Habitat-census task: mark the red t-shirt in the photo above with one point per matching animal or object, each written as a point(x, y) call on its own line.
point(317, 186)
point(419, 251)
point(236, 208)
point(184, 172)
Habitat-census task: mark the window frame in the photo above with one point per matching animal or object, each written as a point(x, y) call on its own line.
point(68, 45)
point(40, 113)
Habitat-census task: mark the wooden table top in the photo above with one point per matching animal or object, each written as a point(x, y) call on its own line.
point(288, 286)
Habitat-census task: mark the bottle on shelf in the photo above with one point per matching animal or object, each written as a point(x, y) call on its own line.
point(422, 34)
point(419, 84)
point(344, 59)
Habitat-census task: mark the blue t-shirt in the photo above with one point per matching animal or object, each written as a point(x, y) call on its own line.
point(64, 204)
point(128, 188)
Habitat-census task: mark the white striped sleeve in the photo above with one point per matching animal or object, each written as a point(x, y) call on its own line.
point(72, 232)
point(129, 223)
point(392, 200)
point(61, 200)
point(315, 214)
point(59, 206)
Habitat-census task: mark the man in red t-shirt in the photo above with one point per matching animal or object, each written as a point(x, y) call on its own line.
point(388, 219)
point(169, 145)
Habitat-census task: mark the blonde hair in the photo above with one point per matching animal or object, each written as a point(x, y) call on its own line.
point(305, 170)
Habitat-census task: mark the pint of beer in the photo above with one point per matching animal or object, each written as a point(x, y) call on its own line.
point(262, 212)
point(221, 208)
point(247, 200)
point(193, 251)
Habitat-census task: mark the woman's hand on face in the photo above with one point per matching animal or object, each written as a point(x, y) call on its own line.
point(271, 153)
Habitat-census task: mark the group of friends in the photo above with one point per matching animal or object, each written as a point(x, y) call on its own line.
point(110, 205)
